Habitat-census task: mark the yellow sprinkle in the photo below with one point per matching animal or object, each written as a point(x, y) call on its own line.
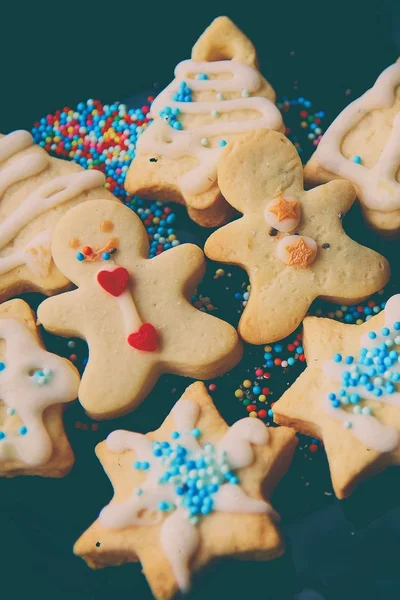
point(57, 139)
point(48, 140)
point(253, 414)
point(220, 272)
point(262, 398)
point(267, 348)
point(248, 288)
point(239, 393)
point(359, 321)
point(303, 124)
point(95, 112)
point(338, 313)
point(70, 129)
point(156, 220)
point(247, 383)
point(107, 185)
point(70, 113)
point(71, 154)
point(171, 237)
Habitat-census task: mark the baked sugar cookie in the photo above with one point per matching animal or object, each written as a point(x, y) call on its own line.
point(134, 312)
point(214, 98)
point(349, 394)
point(362, 145)
point(189, 492)
point(34, 384)
point(35, 191)
point(291, 242)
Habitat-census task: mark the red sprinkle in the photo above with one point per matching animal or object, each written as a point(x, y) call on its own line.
point(313, 447)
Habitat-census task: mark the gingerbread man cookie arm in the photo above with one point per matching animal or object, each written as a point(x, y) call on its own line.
point(62, 314)
point(223, 245)
point(221, 349)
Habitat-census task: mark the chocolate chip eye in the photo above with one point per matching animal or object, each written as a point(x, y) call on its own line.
point(341, 215)
point(273, 232)
point(325, 246)
point(153, 159)
point(112, 251)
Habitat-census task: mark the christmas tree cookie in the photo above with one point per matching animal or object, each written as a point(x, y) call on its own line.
point(215, 97)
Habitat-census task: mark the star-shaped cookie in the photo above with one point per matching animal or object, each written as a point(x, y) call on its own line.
point(291, 257)
point(215, 97)
point(189, 492)
point(35, 191)
point(34, 384)
point(134, 312)
point(349, 394)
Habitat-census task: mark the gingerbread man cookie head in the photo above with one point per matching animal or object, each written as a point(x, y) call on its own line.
point(291, 242)
point(135, 312)
point(88, 241)
point(216, 97)
point(271, 169)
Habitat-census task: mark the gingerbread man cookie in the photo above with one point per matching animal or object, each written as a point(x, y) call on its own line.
point(34, 384)
point(362, 146)
point(349, 395)
point(214, 98)
point(133, 311)
point(189, 492)
point(290, 242)
point(35, 191)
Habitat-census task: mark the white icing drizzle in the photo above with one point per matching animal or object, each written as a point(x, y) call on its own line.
point(126, 304)
point(377, 187)
point(36, 255)
point(290, 240)
point(163, 139)
point(368, 429)
point(21, 392)
point(179, 538)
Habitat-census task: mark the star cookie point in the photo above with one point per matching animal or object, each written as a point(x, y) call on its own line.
point(192, 494)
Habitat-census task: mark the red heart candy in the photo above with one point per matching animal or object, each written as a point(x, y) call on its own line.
point(144, 339)
point(114, 282)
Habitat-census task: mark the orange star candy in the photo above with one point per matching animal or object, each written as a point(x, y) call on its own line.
point(300, 254)
point(284, 209)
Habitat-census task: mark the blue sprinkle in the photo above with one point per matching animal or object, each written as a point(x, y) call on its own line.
point(385, 331)
point(357, 159)
point(2, 435)
point(222, 143)
point(337, 358)
point(80, 256)
point(196, 433)
point(23, 430)
point(332, 396)
point(349, 360)
point(396, 326)
point(175, 435)
point(106, 256)
point(2, 366)
point(371, 335)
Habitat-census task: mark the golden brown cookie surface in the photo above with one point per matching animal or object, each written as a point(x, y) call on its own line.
point(134, 312)
point(159, 524)
point(215, 97)
point(290, 241)
point(348, 396)
point(34, 384)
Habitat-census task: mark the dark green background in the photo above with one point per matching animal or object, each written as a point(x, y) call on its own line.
point(61, 53)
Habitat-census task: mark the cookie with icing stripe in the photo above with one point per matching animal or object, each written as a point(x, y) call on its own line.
point(215, 97)
point(192, 491)
point(362, 145)
point(134, 312)
point(290, 241)
point(34, 385)
point(35, 191)
point(349, 395)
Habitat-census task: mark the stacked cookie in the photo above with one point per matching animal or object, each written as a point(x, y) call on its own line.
point(196, 489)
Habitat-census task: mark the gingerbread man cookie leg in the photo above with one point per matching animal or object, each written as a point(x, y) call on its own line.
point(33, 385)
point(35, 191)
point(291, 242)
point(135, 313)
point(156, 518)
point(215, 97)
point(349, 395)
point(362, 145)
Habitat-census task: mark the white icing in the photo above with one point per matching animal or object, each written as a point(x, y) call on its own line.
point(49, 195)
point(21, 392)
point(367, 428)
point(377, 187)
point(163, 139)
point(179, 538)
point(126, 304)
point(285, 225)
point(283, 244)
